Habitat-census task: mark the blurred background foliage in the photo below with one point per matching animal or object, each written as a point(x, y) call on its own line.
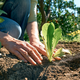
point(62, 14)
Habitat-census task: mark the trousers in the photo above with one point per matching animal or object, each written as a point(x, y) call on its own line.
point(15, 21)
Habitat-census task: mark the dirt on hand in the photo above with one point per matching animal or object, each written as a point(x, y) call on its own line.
point(11, 68)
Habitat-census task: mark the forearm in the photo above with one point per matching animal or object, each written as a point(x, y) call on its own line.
point(32, 30)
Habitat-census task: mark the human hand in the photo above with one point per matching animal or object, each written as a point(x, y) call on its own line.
point(23, 50)
point(41, 48)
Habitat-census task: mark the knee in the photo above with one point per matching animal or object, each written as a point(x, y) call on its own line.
point(16, 31)
point(11, 27)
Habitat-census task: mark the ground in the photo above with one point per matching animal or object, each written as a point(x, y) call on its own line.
point(68, 68)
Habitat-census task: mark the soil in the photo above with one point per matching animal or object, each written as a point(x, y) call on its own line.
point(68, 68)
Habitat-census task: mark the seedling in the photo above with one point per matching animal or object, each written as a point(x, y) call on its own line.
point(50, 37)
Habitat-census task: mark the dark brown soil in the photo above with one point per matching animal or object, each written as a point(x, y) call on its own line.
point(67, 69)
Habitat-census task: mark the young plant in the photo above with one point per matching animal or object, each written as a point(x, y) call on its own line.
point(50, 37)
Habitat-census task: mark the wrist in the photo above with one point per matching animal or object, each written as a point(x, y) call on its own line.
point(33, 38)
point(4, 37)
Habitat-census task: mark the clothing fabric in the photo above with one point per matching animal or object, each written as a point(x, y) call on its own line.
point(33, 16)
point(11, 27)
point(19, 13)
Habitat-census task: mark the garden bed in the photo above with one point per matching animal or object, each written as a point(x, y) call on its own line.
point(67, 69)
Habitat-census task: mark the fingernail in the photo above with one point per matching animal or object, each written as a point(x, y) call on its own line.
point(40, 61)
point(35, 63)
point(41, 58)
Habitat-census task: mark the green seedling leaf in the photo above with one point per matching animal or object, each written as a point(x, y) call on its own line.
point(1, 20)
point(56, 37)
point(47, 32)
point(2, 12)
point(58, 53)
point(44, 31)
point(67, 51)
point(50, 32)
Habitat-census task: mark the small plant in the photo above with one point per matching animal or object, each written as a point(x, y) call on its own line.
point(50, 37)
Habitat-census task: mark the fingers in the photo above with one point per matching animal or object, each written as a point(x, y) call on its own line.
point(41, 49)
point(16, 53)
point(30, 56)
point(56, 58)
point(53, 59)
point(29, 53)
point(35, 51)
point(26, 56)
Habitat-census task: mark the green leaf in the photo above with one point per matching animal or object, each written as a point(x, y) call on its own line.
point(44, 30)
point(67, 51)
point(56, 37)
point(1, 20)
point(44, 35)
point(50, 32)
point(2, 12)
point(47, 32)
point(58, 53)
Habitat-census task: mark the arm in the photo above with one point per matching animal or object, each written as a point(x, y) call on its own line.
point(23, 50)
point(32, 30)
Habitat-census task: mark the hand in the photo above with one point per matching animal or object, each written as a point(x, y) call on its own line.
point(32, 30)
point(23, 50)
point(41, 48)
